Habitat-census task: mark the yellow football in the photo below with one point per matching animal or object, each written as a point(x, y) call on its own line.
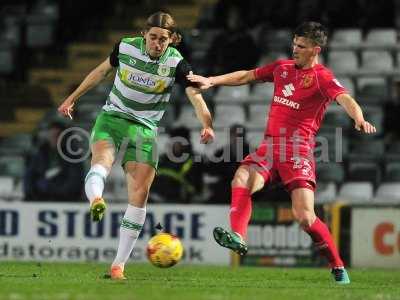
point(164, 250)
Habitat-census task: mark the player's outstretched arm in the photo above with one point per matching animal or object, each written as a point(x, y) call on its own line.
point(202, 113)
point(232, 79)
point(354, 111)
point(90, 81)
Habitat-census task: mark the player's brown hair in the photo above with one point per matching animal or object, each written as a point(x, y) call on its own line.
point(165, 21)
point(314, 31)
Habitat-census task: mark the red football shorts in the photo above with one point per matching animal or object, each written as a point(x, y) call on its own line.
point(293, 165)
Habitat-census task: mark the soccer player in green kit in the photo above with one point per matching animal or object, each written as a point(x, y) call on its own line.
point(147, 67)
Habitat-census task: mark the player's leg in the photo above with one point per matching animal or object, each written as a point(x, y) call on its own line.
point(302, 195)
point(103, 142)
point(139, 178)
point(245, 182)
point(103, 154)
point(140, 163)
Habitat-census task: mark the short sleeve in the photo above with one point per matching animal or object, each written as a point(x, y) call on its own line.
point(182, 70)
point(331, 86)
point(266, 73)
point(114, 61)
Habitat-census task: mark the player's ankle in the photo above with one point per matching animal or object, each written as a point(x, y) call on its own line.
point(118, 265)
point(238, 235)
point(338, 267)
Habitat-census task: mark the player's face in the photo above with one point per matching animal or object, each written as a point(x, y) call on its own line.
point(304, 51)
point(157, 41)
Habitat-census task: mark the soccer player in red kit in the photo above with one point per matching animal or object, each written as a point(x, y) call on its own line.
point(303, 89)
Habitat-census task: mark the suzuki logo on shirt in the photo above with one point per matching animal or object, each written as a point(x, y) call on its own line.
point(287, 102)
point(288, 90)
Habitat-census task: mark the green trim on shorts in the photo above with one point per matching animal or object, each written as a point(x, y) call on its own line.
point(138, 139)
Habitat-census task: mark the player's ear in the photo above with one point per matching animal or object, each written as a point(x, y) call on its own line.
point(317, 50)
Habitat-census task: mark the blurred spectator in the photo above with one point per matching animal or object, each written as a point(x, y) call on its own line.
point(287, 13)
point(375, 13)
point(49, 176)
point(275, 13)
point(222, 12)
point(361, 13)
point(340, 14)
point(184, 48)
point(391, 124)
point(82, 15)
point(310, 10)
point(229, 158)
point(179, 178)
point(234, 49)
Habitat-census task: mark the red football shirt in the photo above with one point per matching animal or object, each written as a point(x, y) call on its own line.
point(301, 97)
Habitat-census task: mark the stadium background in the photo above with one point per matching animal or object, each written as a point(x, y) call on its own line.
point(46, 49)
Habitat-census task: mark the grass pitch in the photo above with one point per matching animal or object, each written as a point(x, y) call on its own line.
point(55, 281)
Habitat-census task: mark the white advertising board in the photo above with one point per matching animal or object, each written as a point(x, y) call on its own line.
point(64, 232)
point(375, 237)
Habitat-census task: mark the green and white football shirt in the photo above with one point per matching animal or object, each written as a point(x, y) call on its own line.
point(142, 86)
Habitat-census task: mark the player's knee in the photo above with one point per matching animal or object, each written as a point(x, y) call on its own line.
point(303, 217)
point(238, 182)
point(104, 160)
point(241, 178)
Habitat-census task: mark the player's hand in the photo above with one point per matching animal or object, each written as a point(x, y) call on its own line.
point(365, 127)
point(67, 107)
point(204, 83)
point(207, 135)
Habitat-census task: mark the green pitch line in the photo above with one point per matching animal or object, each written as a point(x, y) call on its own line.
point(53, 281)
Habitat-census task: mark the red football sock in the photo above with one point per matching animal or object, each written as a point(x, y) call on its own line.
point(240, 212)
point(322, 238)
